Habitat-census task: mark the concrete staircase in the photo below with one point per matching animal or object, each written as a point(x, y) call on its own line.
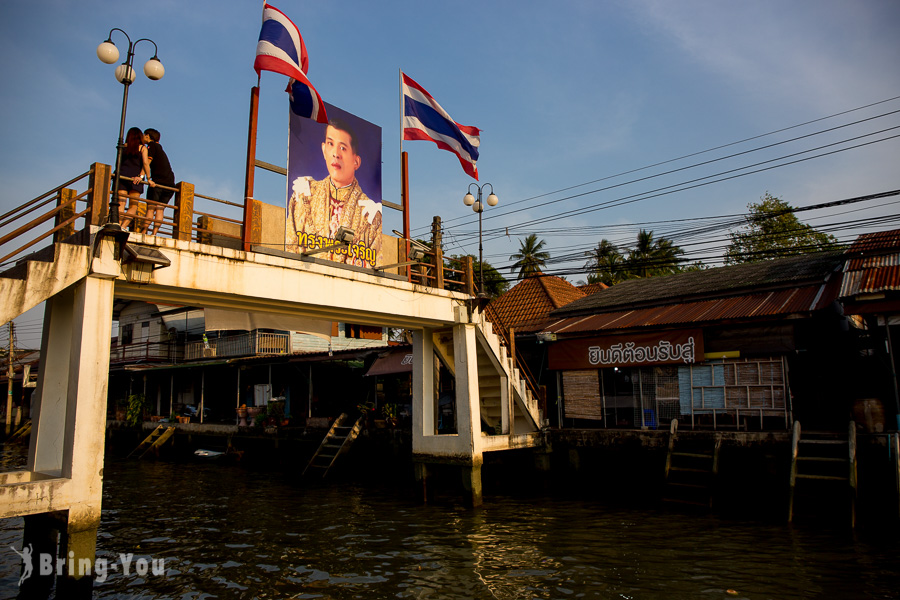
point(494, 364)
point(42, 274)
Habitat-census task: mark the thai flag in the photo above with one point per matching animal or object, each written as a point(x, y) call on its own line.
point(424, 119)
point(281, 49)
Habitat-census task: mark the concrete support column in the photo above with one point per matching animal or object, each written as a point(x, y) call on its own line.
point(424, 418)
point(471, 480)
point(468, 408)
point(468, 400)
point(48, 404)
point(86, 419)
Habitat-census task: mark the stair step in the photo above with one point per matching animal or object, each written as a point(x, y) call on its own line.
point(823, 459)
point(821, 477)
point(693, 454)
point(689, 470)
point(686, 501)
point(832, 442)
point(687, 485)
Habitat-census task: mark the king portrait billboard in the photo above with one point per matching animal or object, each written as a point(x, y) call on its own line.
point(334, 181)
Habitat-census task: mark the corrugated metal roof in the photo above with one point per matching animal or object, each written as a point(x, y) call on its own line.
point(765, 304)
point(743, 279)
point(873, 265)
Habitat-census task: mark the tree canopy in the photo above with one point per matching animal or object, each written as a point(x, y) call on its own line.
point(650, 257)
point(531, 257)
point(494, 283)
point(773, 231)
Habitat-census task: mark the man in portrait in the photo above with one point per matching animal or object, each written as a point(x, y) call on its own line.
point(317, 209)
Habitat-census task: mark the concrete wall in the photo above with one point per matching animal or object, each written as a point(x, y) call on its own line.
point(272, 234)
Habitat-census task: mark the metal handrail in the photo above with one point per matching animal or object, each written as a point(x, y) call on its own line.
point(46, 235)
point(55, 192)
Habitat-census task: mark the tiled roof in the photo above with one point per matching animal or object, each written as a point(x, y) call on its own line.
point(528, 303)
point(743, 279)
point(592, 288)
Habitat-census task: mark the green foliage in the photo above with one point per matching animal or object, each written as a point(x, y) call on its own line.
point(650, 257)
point(494, 283)
point(773, 231)
point(134, 409)
point(531, 257)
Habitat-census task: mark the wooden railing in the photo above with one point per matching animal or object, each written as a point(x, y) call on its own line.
point(64, 210)
point(57, 213)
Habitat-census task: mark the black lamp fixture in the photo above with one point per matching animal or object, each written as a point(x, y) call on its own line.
point(108, 53)
point(478, 206)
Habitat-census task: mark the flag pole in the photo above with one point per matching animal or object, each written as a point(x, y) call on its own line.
point(247, 236)
point(404, 184)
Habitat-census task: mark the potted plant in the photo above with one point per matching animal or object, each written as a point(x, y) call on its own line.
point(389, 412)
point(261, 417)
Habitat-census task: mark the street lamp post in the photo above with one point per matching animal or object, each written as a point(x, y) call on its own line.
point(478, 206)
point(153, 69)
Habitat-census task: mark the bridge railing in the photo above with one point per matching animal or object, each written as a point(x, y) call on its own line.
point(84, 200)
point(191, 216)
point(55, 215)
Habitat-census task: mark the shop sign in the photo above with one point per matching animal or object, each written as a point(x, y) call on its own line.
point(658, 348)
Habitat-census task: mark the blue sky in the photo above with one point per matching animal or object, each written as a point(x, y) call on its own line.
point(566, 93)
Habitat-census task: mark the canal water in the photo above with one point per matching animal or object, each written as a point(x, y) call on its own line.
point(228, 531)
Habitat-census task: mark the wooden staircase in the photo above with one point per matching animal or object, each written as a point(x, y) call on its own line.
point(153, 442)
point(692, 467)
point(336, 441)
point(823, 465)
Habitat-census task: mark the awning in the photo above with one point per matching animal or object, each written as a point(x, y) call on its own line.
point(399, 360)
point(219, 319)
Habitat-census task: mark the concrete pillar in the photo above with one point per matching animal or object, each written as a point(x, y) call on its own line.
point(468, 401)
point(424, 418)
point(471, 479)
point(86, 419)
point(468, 408)
point(48, 404)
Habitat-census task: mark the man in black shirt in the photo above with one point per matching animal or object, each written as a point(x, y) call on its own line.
point(161, 174)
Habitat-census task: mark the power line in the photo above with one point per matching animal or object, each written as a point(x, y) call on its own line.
point(700, 153)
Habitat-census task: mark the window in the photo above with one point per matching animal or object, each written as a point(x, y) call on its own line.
point(126, 333)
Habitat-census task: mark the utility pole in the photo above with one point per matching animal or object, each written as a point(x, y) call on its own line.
point(9, 373)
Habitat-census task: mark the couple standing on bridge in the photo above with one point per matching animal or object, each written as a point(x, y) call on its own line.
point(144, 156)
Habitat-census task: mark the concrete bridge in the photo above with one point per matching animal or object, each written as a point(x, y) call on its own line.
point(84, 269)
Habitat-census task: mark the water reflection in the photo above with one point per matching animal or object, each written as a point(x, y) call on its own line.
point(226, 532)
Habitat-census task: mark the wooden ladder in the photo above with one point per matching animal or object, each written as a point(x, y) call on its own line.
point(823, 460)
point(154, 441)
point(691, 469)
point(21, 433)
point(336, 441)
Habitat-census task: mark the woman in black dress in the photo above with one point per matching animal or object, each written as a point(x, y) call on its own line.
point(135, 164)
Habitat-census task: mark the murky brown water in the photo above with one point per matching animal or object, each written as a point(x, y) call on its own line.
point(227, 532)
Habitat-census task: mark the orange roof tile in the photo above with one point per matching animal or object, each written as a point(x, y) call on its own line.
point(592, 288)
point(528, 303)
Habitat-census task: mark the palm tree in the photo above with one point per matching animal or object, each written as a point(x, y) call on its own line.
point(530, 258)
point(652, 257)
point(606, 264)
